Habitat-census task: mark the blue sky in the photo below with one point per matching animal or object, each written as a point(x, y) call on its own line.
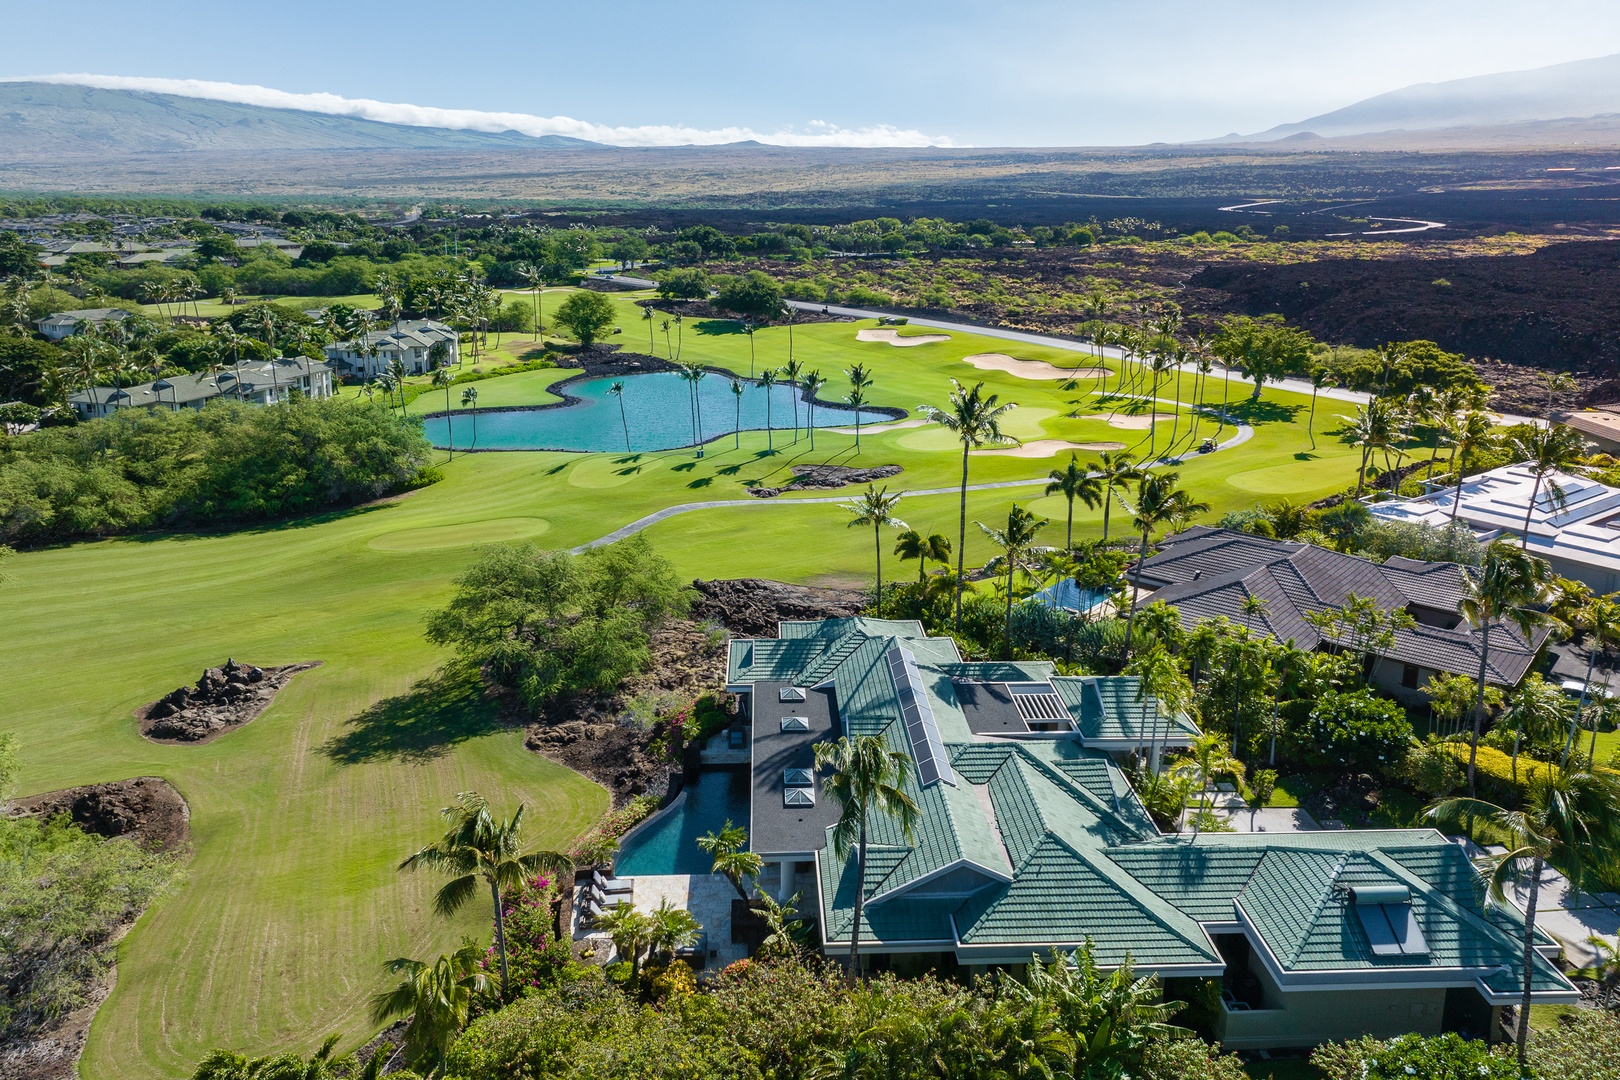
point(1017, 72)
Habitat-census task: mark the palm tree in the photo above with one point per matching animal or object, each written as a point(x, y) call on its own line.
point(767, 379)
point(647, 317)
point(442, 377)
point(1475, 432)
point(866, 779)
point(1509, 586)
point(1372, 428)
point(479, 848)
point(859, 380)
point(629, 930)
point(911, 544)
point(1320, 377)
point(1570, 821)
point(1074, 483)
point(1544, 451)
point(729, 849)
point(1209, 758)
point(1599, 619)
point(975, 419)
point(387, 384)
point(875, 507)
point(678, 336)
point(616, 389)
point(748, 328)
point(672, 928)
point(1017, 544)
point(736, 397)
point(1114, 471)
point(1159, 677)
point(1158, 500)
point(469, 396)
point(790, 376)
point(437, 997)
point(813, 382)
point(669, 348)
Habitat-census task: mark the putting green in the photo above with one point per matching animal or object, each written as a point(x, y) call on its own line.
point(492, 531)
point(1289, 478)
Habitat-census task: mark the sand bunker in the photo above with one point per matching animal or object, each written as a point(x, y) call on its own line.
point(1032, 369)
point(1132, 421)
point(1041, 448)
point(893, 337)
point(892, 425)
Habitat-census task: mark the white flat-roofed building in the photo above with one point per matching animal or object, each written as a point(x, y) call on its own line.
point(1576, 527)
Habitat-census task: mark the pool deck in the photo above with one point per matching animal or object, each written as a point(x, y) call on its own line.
point(707, 896)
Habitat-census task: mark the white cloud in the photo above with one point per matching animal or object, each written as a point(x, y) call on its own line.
point(819, 133)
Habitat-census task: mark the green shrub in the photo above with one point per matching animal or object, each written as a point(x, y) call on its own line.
point(1441, 1057)
point(1493, 772)
point(1582, 1046)
point(1354, 731)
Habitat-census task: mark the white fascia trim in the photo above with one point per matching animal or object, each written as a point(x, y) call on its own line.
point(740, 688)
point(997, 875)
point(1541, 997)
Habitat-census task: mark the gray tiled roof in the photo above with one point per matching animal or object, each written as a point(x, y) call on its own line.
point(1207, 572)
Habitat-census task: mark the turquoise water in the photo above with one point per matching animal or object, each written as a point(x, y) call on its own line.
point(669, 845)
point(657, 411)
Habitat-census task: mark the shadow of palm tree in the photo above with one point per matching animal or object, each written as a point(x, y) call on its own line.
point(438, 712)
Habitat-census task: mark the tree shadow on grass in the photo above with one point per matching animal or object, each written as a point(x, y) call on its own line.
point(1264, 412)
point(426, 722)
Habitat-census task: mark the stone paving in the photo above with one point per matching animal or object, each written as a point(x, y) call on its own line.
point(707, 896)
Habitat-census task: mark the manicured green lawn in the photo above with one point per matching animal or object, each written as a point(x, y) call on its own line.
point(291, 905)
point(213, 309)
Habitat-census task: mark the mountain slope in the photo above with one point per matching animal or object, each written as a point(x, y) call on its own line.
point(1583, 88)
point(49, 120)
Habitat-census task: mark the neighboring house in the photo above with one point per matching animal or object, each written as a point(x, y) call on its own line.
point(1578, 533)
point(64, 324)
point(1205, 572)
point(260, 383)
point(1030, 838)
point(407, 341)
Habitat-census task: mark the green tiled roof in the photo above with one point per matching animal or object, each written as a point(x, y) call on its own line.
point(1200, 880)
point(1114, 708)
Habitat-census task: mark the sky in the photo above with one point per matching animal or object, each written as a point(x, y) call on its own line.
point(833, 72)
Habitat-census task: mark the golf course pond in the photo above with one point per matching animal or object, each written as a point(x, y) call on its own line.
point(657, 414)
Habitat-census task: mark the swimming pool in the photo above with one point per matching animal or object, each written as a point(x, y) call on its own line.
point(658, 415)
point(668, 845)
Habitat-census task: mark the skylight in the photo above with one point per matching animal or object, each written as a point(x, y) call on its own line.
point(790, 693)
point(927, 748)
point(798, 796)
point(799, 778)
point(795, 723)
point(1386, 915)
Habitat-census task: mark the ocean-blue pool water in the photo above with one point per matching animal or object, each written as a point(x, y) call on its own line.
point(669, 845)
point(658, 414)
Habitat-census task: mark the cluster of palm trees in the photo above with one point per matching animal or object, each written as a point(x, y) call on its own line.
point(175, 292)
point(463, 301)
point(1387, 426)
point(806, 384)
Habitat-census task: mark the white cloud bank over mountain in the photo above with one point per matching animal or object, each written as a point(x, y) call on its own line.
point(817, 133)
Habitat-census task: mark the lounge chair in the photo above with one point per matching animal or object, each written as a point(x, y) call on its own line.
point(696, 954)
point(609, 886)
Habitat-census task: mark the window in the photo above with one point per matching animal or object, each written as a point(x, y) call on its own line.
point(1409, 676)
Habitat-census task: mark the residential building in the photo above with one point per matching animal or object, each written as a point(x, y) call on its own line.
point(408, 341)
point(64, 324)
point(1574, 522)
point(1030, 838)
point(260, 383)
point(1205, 572)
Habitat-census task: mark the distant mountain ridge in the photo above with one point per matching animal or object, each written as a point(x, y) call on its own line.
point(1579, 89)
point(50, 119)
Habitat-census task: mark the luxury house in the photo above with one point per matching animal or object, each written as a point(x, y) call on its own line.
point(408, 341)
point(1205, 572)
point(264, 383)
point(1031, 838)
point(64, 324)
point(1574, 523)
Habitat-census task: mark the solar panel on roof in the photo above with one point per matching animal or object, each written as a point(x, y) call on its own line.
point(927, 748)
point(1385, 912)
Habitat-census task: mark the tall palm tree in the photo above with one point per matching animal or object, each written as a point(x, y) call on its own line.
point(477, 847)
point(1074, 482)
point(437, 997)
point(1320, 377)
point(975, 418)
point(1570, 821)
point(1510, 586)
point(669, 346)
point(767, 379)
point(1160, 677)
point(736, 397)
point(867, 780)
point(790, 376)
point(912, 544)
point(859, 380)
point(1544, 451)
point(1474, 432)
point(1209, 758)
point(732, 859)
point(1017, 544)
point(813, 382)
point(469, 396)
point(875, 507)
point(1599, 620)
point(647, 317)
point(672, 928)
point(679, 336)
point(1158, 500)
point(442, 377)
point(616, 389)
point(1114, 471)
point(1372, 428)
point(629, 930)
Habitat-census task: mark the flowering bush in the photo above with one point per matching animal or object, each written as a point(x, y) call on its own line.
point(1443, 1057)
point(534, 955)
point(598, 845)
point(1358, 731)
